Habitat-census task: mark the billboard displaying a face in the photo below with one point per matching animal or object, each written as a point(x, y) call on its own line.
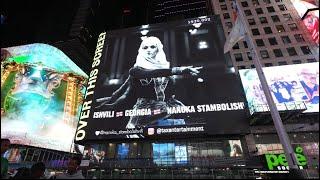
point(290, 85)
point(162, 80)
point(40, 97)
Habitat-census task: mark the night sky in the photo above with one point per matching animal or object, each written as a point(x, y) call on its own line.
point(33, 21)
point(50, 22)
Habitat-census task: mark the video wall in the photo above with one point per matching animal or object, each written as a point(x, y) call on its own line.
point(162, 153)
point(41, 94)
point(168, 154)
point(292, 86)
point(162, 80)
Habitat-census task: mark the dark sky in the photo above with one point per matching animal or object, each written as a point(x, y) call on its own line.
point(31, 21)
point(36, 21)
point(39, 21)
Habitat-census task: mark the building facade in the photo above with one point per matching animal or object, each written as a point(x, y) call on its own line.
point(277, 29)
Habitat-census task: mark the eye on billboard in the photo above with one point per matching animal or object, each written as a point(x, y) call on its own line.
point(294, 86)
point(41, 91)
point(162, 79)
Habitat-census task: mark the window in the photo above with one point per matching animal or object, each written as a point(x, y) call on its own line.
point(259, 11)
point(238, 57)
point(280, 28)
point(236, 46)
point(277, 53)
point(305, 50)
point(251, 21)
point(292, 51)
point(268, 64)
point(226, 15)
point(267, 30)
point(259, 42)
point(241, 67)
point(255, 32)
point(224, 7)
point(264, 54)
point(270, 9)
point(249, 56)
point(244, 4)
point(293, 26)
point(229, 25)
point(311, 60)
point(282, 7)
point(299, 38)
point(287, 17)
point(255, 2)
point(273, 41)
point(247, 12)
point(281, 63)
point(285, 39)
point(245, 44)
point(263, 20)
point(296, 61)
point(275, 18)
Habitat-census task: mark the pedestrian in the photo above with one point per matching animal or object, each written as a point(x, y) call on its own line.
point(73, 171)
point(37, 170)
point(5, 143)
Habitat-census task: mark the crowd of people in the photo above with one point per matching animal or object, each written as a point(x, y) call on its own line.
point(38, 170)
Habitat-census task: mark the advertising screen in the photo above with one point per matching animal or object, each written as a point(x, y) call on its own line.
point(236, 148)
point(162, 79)
point(308, 10)
point(292, 87)
point(168, 154)
point(94, 153)
point(15, 155)
point(41, 93)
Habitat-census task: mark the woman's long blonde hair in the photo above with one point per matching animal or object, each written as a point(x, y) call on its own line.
point(160, 60)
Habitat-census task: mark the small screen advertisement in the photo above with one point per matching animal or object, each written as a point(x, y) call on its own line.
point(162, 80)
point(292, 87)
point(308, 10)
point(40, 97)
point(123, 151)
point(236, 148)
point(15, 155)
point(94, 153)
point(164, 154)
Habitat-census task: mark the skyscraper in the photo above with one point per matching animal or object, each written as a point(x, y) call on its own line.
point(277, 30)
point(166, 10)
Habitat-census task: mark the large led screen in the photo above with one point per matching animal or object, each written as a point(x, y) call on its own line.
point(308, 10)
point(292, 87)
point(162, 79)
point(41, 94)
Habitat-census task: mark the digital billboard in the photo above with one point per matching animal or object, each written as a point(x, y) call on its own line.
point(292, 87)
point(41, 94)
point(162, 79)
point(94, 153)
point(236, 148)
point(15, 155)
point(308, 10)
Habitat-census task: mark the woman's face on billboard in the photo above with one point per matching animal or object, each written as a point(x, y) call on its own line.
point(150, 49)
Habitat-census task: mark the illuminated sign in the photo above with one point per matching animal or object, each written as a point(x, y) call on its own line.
point(279, 162)
point(292, 87)
point(309, 12)
point(41, 94)
point(153, 84)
